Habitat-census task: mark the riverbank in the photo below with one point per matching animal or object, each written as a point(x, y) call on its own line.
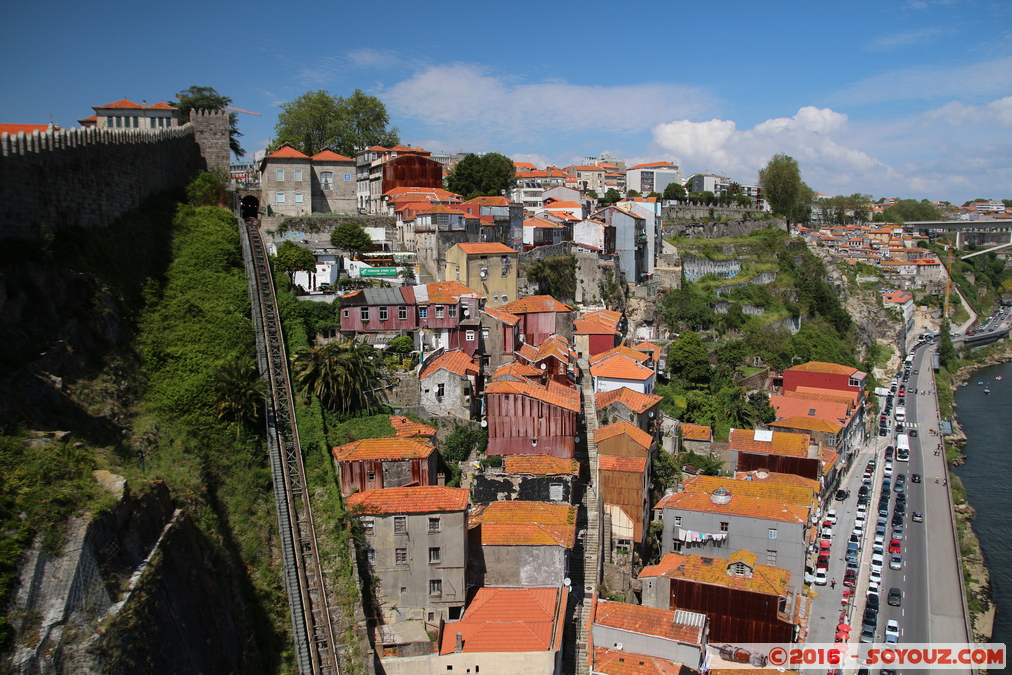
point(979, 590)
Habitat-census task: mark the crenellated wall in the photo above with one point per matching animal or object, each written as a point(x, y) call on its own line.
point(90, 177)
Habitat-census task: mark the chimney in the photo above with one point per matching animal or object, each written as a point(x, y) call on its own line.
point(440, 479)
point(144, 103)
point(459, 646)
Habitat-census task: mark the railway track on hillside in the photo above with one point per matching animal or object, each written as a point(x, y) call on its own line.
point(312, 625)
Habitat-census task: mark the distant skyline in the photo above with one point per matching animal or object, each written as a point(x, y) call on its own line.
point(907, 99)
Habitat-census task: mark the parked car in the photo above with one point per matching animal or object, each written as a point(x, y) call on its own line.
point(821, 577)
point(831, 517)
point(892, 631)
point(850, 578)
point(872, 601)
point(877, 562)
point(895, 562)
point(894, 546)
point(895, 597)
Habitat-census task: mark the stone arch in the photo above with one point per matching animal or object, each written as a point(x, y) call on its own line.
point(250, 207)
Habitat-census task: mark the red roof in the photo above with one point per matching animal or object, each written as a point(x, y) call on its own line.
point(553, 393)
point(621, 368)
point(621, 350)
point(505, 317)
point(639, 436)
point(622, 464)
point(509, 620)
point(516, 370)
point(489, 201)
point(542, 465)
point(29, 129)
point(630, 398)
point(524, 523)
point(286, 151)
point(407, 428)
point(646, 621)
point(622, 662)
point(782, 443)
point(161, 105)
point(456, 361)
point(418, 499)
point(122, 103)
point(329, 155)
point(696, 432)
point(653, 165)
point(485, 248)
point(585, 327)
point(535, 303)
point(383, 449)
point(448, 292)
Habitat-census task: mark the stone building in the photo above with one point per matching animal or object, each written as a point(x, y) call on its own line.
point(294, 183)
point(448, 384)
point(125, 114)
point(488, 268)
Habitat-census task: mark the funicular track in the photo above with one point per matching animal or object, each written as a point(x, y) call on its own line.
point(312, 629)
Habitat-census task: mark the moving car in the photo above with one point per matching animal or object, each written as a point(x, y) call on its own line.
point(915, 478)
point(895, 597)
point(917, 517)
point(841, 495)
point(895, 562)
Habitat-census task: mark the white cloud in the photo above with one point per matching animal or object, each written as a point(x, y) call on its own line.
point(907, 38)
point(985, 78)
point(471, 101)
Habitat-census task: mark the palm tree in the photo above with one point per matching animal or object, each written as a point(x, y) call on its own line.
point(344, 374)
point(239, 393)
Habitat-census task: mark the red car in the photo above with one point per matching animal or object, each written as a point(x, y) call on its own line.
point(850, 578)
point(823, 562)
point(894, 546)
point(824, 547)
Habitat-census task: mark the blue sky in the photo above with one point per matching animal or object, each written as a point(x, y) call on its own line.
point(911, 98)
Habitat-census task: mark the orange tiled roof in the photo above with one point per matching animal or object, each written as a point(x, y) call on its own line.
point(383, 449)
point(833, 411)
point(515, 369)
point(286, 151)
point(418, 499)
point(789, 445)
point(621, 350)
point(553, 393)
point(505, 317)
point(29, 129)
point(162, 105)
point(752, 507)
point(801, 495)
point(535, 303)
point(807, 423)
point(823, 367)
point(829, 458)
point(847, 398)
point(407, 428)
point(646, 620)
point(329, 155)
point(622, 464)
point(765, 579)
point(640, 437)
point(622, 662)
point(586, 327)
point(487, 248)
point(654, 349)
point(541, 465)
point(448, 292)
point(509, 620)
point(553, 345)
point(122, 103)
point(634, 400)
point(696, 432)
point(621, 368)
point(489, 201)
point(523, 523)
point(852, 396)
point(653, 165)
point(779, 479)
point(456, 361)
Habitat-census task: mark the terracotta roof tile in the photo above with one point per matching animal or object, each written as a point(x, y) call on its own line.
point(696, 432)
point(553, 393)
point(641, 437)
point(161, 105)
point(646, 620)
point(794, 406)
point(753, 507)
point(418, 499)
point(407, 428)
point(800, 495)
point(773, 477)
point(523, 523)
point(456, 361)
point(499, 315)
point(621, 368)
point(636, 465)
point(622, 662)
point(847, 398)
point(383, 449)
point(448, 292)
point(630, 398)
point(541, 465)
point(29, 129)
point(509, 620)
point(286, 151)
point(655, 350)
point(486, 248)
point(535, 303)
point(852, 395)
point(329, 155)
point(823, 367)
point(122, 103)
point(552, 346)
point(585, 327)
point(765, 579)
point(515, 370)
point(782, 443)
point(621, 350)
point(653, 165)
point(807, 423)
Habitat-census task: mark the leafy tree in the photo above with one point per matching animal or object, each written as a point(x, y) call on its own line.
point(781, 185)
point(407, 274)
point(209, 188)
point(401, 345)
point(350, 236)
point(206, 98)
point(674, 191)
point(488, 175)
point(684, 308)
point(292, 257)
point(239, 394)
point(688, 360)
point(912, 210)
point(344, 374)
point(654, 195)
point(555, 276)
point(462, 441)
point(318, 120)
point(946, 350)
point(632, 194)
point(707, 465)
point(592, 194)
point(611, 196)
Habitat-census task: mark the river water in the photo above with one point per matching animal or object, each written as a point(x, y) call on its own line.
point(987, 475)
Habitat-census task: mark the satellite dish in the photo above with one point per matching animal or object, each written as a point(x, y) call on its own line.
point(544, 366)
point(567, 582)
point(484, 423)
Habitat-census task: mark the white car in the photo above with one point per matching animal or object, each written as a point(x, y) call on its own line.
point(873, 587)
point(831, 516)
point(862, 509)
point(892, 631)
point(880, 540)
point(888, 472)
point(875, 577)
point(820, 577)
point(827, 533)
point(877, 563)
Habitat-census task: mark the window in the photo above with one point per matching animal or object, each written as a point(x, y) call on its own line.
point(434, 524)
point(555, 492)
point(281, 198)
point(402, 313)
point(435, 586)
point(298, 175)
point(363, 313)
point(504, 299)
point(279, 175)
point(773, 533)
point(423, 312)
point(326, 180)
point(400, 525)
point(369, 525)
point(440, 311)
point(724, 526)
point(152, 122)
point(484, 333)
point(678, 521)
point(676, 545)
point(434, 555)
point(383, 314)
point(440, 389)
point(771, 558)
point(347, 314)
point(469, 336)
point(370, 476)
point(370, 555)
point(400, 556)
point(298, 197)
